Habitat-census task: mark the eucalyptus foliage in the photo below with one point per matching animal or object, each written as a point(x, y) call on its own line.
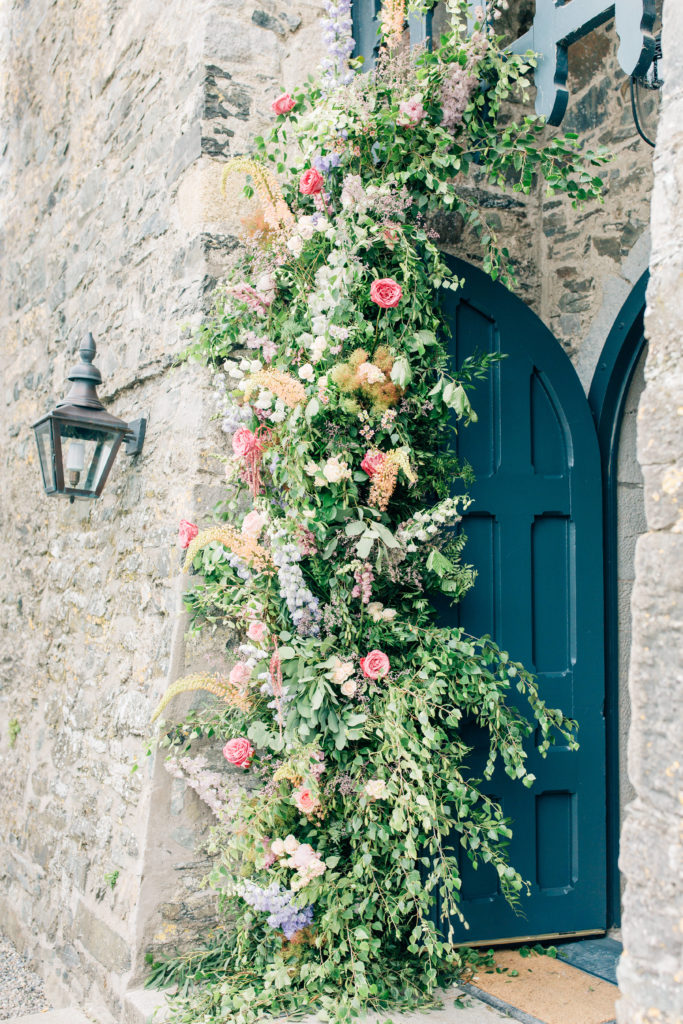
point(352, 405)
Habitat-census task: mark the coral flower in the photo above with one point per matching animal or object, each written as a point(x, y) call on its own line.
point(283, 104)
point(386, 292)
point(305, 800)
point(238, 752)
point(372, 462)
point(187, 532)
point(375, 665)
point(311, 182)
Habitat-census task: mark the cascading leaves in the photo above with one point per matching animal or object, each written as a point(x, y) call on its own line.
point(345, 709)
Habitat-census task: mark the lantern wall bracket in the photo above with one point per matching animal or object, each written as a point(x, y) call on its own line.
point(135, 438)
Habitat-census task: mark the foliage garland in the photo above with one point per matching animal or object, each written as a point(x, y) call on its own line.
point(346, 708)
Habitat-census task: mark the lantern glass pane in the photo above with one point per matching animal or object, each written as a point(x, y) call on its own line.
point(86, 453)
point(45, 453)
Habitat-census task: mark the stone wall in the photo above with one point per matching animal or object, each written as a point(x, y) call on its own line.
point(116, 120)
point(651, 970)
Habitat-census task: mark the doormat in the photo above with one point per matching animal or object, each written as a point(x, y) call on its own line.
point(539, 989)
point(597, 956)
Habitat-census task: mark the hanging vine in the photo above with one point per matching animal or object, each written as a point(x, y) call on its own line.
point(346, 704)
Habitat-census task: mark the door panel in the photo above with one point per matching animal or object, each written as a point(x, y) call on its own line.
point(535, 536)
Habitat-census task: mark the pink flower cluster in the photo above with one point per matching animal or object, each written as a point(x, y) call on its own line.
point(302, 858)
point(364, 578)
point(411, 112)
point(372, 461)
point(455, 95)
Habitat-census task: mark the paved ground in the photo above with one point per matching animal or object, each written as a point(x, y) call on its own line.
point(21, 991)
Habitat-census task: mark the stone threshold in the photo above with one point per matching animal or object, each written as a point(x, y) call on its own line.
point(149, 1006)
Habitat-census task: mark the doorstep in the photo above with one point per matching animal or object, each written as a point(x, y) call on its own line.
point(149, 1006)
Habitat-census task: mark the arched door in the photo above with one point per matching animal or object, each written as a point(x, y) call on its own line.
point(535, 536)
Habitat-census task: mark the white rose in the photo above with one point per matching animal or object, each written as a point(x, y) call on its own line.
point(306, 372)
point(305, 227)
point(376, 789)
point(349, 688)
point(388, 614)
point(295, 244)
point(375, 610)
point(277, 847)
point(335, 470)
point(310, 468)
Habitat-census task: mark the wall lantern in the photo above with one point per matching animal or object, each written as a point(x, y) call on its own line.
point(78, 440)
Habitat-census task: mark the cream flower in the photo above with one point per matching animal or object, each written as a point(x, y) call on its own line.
point(311, 468)
point(336, 470)
point(295, 244)
point(368, 373)
point(306, 372)
point(342, 670)
point(349, 688)
point(376, 789)
point(291, 844)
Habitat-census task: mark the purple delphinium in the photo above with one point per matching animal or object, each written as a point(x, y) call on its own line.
point(324, 164)
point(277, 903)
point(338, 38)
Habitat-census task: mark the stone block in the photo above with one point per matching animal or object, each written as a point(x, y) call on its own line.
point(105, 945)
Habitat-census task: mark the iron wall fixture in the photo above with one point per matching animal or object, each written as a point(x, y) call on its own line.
point(78, 440)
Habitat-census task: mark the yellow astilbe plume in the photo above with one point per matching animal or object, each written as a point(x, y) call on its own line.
point(246, 548)
point(214, 684)
point(276, 213)
point(385, 477)
point(392, 18)
point(282, 385)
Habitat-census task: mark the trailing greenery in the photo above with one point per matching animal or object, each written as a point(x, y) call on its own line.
point(349, 708)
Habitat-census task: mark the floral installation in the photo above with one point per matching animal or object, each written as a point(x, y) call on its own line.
point(343, 705)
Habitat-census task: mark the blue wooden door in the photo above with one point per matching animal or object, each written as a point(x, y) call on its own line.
point(535, 535)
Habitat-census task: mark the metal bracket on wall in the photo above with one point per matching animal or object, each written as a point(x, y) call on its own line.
point(135, 438)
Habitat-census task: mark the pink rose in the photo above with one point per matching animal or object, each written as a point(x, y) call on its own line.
point(372, 462)
point(243, 442)
point(257, 631)
point(303, 856)
point(311, 182)
point(386, 292)
point(238, 752)
point(411, 112)
point(283, 104)
point(240, 675)
point(375, 665)
point(305, 801)
point(187, 532)
point(253, 524)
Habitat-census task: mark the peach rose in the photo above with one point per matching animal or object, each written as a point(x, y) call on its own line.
point(257, 631)
point(386, 292)
point(187, 532)
point(375, 665)
point(283, 104)
point(372, 462)
point(253, 524)
point(240, 675)
point(311, 182)
point(305, 801)
point(238, 752)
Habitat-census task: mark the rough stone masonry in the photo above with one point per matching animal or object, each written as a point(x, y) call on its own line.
point(651, 970)
point(117, 119)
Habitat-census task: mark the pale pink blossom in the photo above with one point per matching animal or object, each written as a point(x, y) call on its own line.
point(305, 801)
point(411, 111)
point(238, 752)
point(240, 675)
point(253, 524)
point(257, 631)
point(375, 665)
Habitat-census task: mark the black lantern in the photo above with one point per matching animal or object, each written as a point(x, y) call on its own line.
point(78, 440)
